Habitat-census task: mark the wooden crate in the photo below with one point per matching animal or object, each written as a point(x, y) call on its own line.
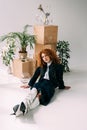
point(20, 68)
point(47, 34)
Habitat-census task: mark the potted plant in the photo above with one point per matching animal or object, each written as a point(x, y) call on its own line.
point(46, 15)
point(8, 53)
point(23, 38)
point(63, 53)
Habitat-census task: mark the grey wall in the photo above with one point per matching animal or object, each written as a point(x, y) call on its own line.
point(69, 15)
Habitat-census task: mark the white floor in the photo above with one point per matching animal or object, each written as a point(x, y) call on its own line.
point(67, 110)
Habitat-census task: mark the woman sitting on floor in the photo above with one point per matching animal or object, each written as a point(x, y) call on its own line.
point(49, 75)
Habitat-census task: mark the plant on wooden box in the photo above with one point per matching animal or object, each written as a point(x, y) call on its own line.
point(63, 52)
point(23, 38)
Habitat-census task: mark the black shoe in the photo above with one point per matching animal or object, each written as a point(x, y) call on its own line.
point(19, 109)
point(15, 108)
point(22, 107)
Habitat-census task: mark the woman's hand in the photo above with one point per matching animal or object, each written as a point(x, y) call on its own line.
point(67, 87)
point(25, 86)
point(39, 95)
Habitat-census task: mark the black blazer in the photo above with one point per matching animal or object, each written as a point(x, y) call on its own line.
point(55, 75)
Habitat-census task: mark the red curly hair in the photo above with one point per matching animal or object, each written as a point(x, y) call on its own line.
point(49, 52)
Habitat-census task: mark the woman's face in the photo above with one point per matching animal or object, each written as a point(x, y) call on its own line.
point(45, 58)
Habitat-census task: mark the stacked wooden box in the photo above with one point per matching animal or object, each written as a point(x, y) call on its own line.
point(26, 68)
point(46, 37)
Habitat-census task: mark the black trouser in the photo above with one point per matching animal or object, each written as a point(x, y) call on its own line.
point(47, 90)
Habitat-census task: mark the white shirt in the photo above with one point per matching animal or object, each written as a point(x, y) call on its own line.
point(46, 76)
